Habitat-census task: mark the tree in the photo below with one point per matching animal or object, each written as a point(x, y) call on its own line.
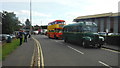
point(10, 22)
point(36, 27)
point(28, 24)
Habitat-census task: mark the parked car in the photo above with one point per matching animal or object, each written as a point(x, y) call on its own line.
point(0, 37)
point(6, 37)
point(12, 35)
point(35, 32)
point(43, 31)
point(113, 34)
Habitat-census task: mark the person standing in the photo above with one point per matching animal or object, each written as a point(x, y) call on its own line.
point(21, 36)
point(29, 35)
point(25, 36)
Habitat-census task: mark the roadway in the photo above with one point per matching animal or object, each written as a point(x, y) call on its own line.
point(59, 53)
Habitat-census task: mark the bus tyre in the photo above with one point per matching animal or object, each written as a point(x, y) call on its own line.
point(49, 36)
point(65, 40)
point(55, 37)
point(99, 46)
point(85, 44)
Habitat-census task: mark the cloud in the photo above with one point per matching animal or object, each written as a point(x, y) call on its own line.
point(34, 13)
point(36, 16)
point(22, 19)
point(14, 0)
point(40, 14)
point(86, 5)
point(44, 21)
point(102, 6)
point(77, 8)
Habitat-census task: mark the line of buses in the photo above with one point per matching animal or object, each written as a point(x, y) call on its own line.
point(83, 33)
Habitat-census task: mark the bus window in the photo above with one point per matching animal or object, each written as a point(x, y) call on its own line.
point(58, 30)
point(55, 22)
point(51, 30)
point(60, 22)
point(65, 30)
point(70, 29)
point(90, 29)
point(75, 29)
point(78, 29)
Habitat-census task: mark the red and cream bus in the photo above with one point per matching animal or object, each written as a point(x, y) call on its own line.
point(55, 29)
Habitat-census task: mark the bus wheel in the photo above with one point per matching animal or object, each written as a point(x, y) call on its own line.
point(55, 37)
point(65, 40)
point(99, 46)
point(84, 44)
point(49, 36)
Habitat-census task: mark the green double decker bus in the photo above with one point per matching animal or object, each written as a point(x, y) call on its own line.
point(83, 33)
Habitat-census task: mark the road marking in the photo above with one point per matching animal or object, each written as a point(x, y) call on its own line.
point(40, 54)
point(104, 64)
point(42, 59)
point(76, 50)
point(61, 43)
point(56, 41)
point(110, 50)
point(33, 58)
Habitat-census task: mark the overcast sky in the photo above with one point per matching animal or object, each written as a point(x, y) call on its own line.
point(45, 11)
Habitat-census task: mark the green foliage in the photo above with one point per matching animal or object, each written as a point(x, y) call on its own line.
point(27, 24)
point(0, 52)
point(36, 27)
point(10, 22)
point(7, 48)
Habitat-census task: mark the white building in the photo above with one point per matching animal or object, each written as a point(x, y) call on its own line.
point(105, 21)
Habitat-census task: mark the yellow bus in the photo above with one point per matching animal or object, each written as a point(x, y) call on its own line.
point(55, 29)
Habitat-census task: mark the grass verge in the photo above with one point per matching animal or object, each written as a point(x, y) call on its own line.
point(0, 52)
point(7, 48)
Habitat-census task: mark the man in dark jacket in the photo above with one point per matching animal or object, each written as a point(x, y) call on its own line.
point(25, 36)
point(20, 36)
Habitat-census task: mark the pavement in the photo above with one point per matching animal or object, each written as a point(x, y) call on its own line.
point(22, 56)
point(112, 47)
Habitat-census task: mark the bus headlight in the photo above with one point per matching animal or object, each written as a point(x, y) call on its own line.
point(90, 39)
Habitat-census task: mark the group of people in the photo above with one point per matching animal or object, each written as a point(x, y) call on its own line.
point(22, 34)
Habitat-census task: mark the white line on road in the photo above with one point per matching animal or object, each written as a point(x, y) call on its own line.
point(104, 64)
point(56, 41)
point(62, 43)
point(110, 50)
point(76, 50)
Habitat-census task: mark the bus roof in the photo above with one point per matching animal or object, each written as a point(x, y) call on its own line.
point(74, 24)
point(57, 21)
point(81, 24)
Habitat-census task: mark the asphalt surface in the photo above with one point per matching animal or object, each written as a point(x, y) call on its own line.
point(22, 56)
point(59, 53)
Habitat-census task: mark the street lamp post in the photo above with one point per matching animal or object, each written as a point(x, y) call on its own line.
point(30, 16)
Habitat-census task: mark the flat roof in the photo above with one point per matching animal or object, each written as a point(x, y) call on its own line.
point(98, 15)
